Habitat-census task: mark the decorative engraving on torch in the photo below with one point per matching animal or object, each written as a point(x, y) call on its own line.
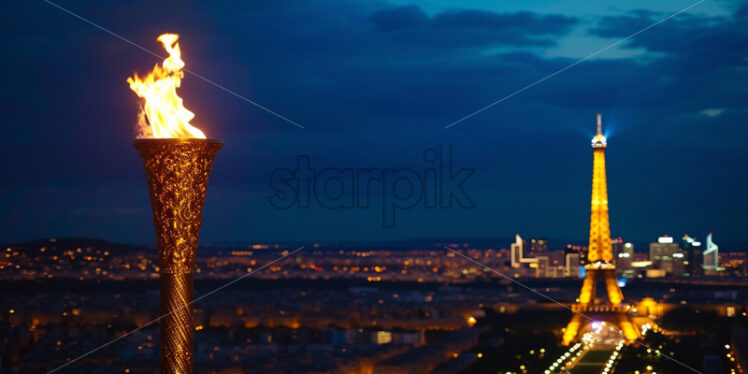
point(177, 172)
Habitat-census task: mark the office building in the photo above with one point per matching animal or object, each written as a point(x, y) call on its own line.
point(543, 269)
point(572, 265)
point(617, 245)
point(661, 255)
point(519, 257)
point(694, 256)
point(711, 257)
point(624, 260)
point(538, 246)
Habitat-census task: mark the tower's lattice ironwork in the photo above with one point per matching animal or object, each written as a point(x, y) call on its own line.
point(600, 250)
point(600, 253)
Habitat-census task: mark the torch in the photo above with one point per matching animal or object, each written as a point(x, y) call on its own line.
point(177, 159)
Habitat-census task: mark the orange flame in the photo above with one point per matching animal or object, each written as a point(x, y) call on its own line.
point(163, 115)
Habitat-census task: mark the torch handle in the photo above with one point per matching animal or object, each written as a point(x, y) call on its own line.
point(176, 327)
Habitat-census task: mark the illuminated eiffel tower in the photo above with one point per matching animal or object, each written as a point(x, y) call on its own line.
point(600, 258)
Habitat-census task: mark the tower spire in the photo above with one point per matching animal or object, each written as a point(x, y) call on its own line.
point(600, 249)
point(599, 141)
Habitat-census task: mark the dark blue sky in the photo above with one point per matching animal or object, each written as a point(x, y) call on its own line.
point(374, 84)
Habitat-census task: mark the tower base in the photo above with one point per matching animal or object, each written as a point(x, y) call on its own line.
point(592, 309)
point(614, 315)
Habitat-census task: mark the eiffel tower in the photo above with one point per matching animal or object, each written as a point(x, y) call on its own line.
point(600, 259)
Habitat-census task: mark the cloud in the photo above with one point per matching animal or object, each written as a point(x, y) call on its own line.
point(742, 12)
point(713, 112)
point(527, 22)
point(698, 58)
point(703, 40)
point(400, 17)
point(460, 28)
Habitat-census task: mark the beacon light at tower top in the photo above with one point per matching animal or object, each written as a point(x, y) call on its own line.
point(163, 114)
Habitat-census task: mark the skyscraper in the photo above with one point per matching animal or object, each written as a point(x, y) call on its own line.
point(695, 258)
point(711, 256)
point(518, 253)
point(666, 255)
point(617, 245)
point(537, 246)
point(571, 265)
point(543, 269)
point(624, 259)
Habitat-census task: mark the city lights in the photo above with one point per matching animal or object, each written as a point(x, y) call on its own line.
point(464, 212)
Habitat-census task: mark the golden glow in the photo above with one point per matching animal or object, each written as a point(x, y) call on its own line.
point(572, 329)
point(384, 337)
point(600, 254)
point(588, 288)
point(177, 172)
point(629, 331)
point(163, 114)
point(611, 284)
point(600, 247)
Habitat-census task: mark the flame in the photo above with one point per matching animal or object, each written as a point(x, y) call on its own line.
point(163, 115)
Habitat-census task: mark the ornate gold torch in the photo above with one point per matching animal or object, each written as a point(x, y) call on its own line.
point(177, 172)
point(177, 160)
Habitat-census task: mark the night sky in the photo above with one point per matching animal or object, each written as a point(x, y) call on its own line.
point(374, 84)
